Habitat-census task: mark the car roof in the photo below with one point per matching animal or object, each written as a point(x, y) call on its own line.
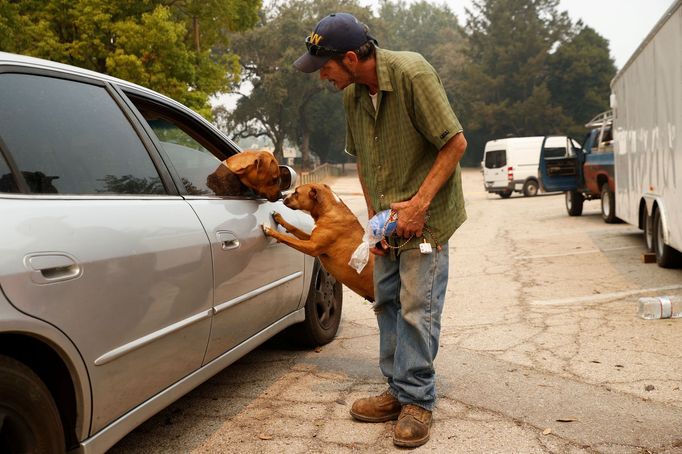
point(509, 142)
point(9, 59)
point(38, 63)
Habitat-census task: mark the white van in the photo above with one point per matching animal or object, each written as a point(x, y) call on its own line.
point(511, 165)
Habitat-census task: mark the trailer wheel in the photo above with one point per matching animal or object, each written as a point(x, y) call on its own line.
point(608, 205)
point(649, 232)
point(666, 257)
point(530, 188)
point(506, 194)
point(574, 203)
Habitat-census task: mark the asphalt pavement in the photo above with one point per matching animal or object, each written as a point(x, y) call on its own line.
point(541, 352)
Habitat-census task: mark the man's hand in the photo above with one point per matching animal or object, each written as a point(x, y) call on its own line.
point(411, 217)
point(378, 249)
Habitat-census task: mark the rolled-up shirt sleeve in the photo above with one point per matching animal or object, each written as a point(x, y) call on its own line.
point(433, 115)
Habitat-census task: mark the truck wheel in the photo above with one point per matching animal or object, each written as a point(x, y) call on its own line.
point(666, 257)
point(506, 194)
point(29, 419)
point(608, 204)
point(530, 188)
point(322, 310)
point(649, 232)
point(574, 203)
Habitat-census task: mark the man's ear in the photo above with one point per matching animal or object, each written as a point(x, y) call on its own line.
point(351, 58)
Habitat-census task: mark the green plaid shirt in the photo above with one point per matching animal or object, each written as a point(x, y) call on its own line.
point(397, 144)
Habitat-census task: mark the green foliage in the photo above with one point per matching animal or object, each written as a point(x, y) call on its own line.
point(422, 27)
point(167, 46)
point(580, 74)
point(503, 84)
point(284, 103)
point(520, 67)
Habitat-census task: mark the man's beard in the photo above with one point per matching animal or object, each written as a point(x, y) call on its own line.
point(349, 73)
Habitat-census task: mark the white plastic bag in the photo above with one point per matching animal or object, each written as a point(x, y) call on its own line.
point(381, 225)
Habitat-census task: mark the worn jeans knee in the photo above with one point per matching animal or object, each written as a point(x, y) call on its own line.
point(409, 294)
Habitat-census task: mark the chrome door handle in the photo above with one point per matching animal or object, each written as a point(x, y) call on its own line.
point(228, 240)
point(48, 267)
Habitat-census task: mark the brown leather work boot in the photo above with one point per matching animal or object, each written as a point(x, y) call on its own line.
point(383, 407)
point(413, 427)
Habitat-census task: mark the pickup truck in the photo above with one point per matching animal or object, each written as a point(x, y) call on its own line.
point(583, 172)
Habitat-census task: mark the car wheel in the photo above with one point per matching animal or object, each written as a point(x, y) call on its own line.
point(666, 256)
point(505, 194)
point(649, 232)
point(29, 419)
point(530, 188)
point(574, 203)
point(608, 204)
point(322, 310)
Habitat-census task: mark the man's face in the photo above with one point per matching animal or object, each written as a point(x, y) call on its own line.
point(336, 72)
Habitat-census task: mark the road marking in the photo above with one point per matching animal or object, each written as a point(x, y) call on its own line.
point(602, 296)
point(567, 254)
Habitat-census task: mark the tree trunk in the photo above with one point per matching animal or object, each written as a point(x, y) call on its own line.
point(195, 33)
point(279, 153)
point(305, 150)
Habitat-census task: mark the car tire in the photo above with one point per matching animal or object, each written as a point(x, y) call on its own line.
point(506, 194)
point(530, 188)
point(322, 310)
point(608, 204)
point(666, 256)
point(29, 419)
point(574, 203)
point(649, 232)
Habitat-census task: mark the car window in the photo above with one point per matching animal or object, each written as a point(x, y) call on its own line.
point(187, 149)
point(494, 159)
point(7, 182)
point(69, 137)
point(191, 160)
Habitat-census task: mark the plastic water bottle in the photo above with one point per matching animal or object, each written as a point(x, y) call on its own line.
point(651, 308)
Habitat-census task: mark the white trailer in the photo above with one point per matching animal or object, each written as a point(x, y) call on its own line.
point(647, 101)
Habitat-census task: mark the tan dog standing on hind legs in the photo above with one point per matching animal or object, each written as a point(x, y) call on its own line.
point(334, 238)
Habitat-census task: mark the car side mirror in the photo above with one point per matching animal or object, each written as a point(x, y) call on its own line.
point(287, 178)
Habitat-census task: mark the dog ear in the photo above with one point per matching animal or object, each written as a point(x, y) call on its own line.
point(240, 163)
point(312, 193)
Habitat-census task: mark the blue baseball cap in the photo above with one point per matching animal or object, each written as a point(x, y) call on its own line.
point(335, 34)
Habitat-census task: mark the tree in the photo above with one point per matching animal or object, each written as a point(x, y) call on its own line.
point(280, 105)
point(328, 127)
point(503, 84)
point(167, 46)
point(580, 72)
point(422, 27)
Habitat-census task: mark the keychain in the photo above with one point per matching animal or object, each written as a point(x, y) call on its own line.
point(425, 247)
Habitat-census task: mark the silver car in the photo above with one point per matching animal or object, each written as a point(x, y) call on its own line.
point(124, 281)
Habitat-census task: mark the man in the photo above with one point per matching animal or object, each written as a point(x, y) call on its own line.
point(408, 144)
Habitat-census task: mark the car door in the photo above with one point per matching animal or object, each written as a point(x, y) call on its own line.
point(560, 164)
point(99, 243)
point(257, 281)
point(495, 165)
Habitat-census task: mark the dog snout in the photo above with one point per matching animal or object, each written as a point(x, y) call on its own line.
point(275, 197)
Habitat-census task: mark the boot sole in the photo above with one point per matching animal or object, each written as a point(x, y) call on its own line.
point(364, 418)
point(410, 443)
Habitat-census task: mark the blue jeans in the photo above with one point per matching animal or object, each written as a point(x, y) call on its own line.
point(409, 294)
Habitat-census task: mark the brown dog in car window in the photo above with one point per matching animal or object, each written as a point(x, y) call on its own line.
point(334, 238)
point(257, 170)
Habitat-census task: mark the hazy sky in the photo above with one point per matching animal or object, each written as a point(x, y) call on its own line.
point(625, 23)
